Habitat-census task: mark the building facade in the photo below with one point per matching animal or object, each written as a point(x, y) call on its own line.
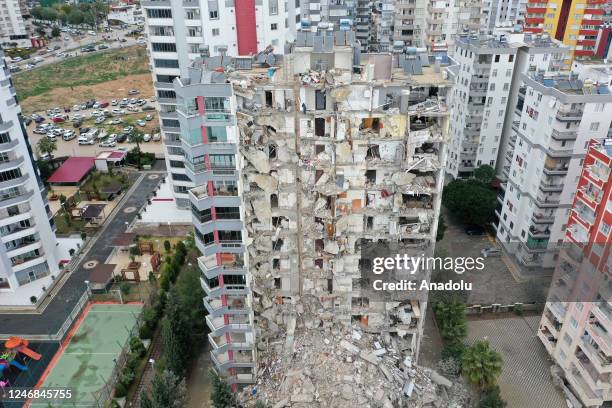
point(12, 28)
point(296, 166)
point(576, 325)
point(28, 262)
point(559, 115)
point(180, 31)
point(575, 22)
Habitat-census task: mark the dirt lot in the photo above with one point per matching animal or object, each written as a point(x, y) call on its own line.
point(105, 91)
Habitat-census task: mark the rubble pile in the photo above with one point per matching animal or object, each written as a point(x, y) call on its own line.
point(314, 362)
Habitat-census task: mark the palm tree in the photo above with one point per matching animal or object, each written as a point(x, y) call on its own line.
point(136, 136)
point(481, 365)
point(46, 146)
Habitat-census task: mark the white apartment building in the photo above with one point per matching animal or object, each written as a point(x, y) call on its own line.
point(294, 175)
point(559, 115)
point(487, 86)
point(126, 13)
point(28, 262)
point(178, 31)
point(507, 13)
point(12, 26)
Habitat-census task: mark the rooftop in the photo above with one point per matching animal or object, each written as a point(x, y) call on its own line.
point(73, 170)
point(570, 84)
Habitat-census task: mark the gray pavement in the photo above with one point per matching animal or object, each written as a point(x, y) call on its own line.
point(494, 284)
point(525, 381)
point(62, 304)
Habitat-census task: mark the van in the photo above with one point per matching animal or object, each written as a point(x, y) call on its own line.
point(86, 140)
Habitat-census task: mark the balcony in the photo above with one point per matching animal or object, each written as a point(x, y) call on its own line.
point(601, 362)
point(235, 247)
point(12, 163)
point(10, 145)
point(15, 197)
point(541, 218)
point(230, 290)
point(546, 202)
point(580, 387)
point(564, 135)
point(5, 126)
point(204, 198)
point(557, 309)
point(221, 344)
point(231, 264)
point(223, 361)
point(571, 115)
point(234, 324)
point(539, 234)
point(235, 306)
point(547, 338)
point(599, 334)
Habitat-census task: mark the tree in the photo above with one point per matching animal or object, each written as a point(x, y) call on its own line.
point(471, 201)
point(55, 32)
point(190, 294)
point(450, 316)
point(222, 396)
point(481, 365)
point(46, 146)
point(491, 398)
point(175, 334)
point(137, 137)
point(167, 391)
point(484, 174)
point(441, 229)
point(167, 245)
point(76, 17)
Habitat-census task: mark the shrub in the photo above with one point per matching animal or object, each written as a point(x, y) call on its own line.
point(145, 332)
point(167, 245)
point(33, 299)
point(120, 390)
point(491, 398)
point(453, 350)
point(71, 252)
point(137, 347)
point(518, 310)
point(83, 235)
point(125, 288)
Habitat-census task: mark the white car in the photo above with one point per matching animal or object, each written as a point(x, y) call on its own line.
point(96, 105)
point(114, 102)
point(141, 40)
point(108, 143)
point(112, 137)
point(148, 117)
point(17, 59)
point(91, 32)
point(84, 140)
point(100, 120)
point(76, 108)
point(156, 137)
point(51, 135)
point(491, 252)
point(97, 113)
point(141, 123)
point(118, 111)
point(116, 121)
point(146, 137)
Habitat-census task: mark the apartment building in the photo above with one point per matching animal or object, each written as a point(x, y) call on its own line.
point(335, 12)
point(28, 262)
point(296, 165)
point(559, 115)
point(575, 22)
point(487, 85)
point(178, 31)
point(576, 325)
point(497, 13)
point(12, 26)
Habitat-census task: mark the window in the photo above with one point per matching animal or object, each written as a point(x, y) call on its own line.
point(159, 13)
point(562, 355)
point(222, 160)
point(215, 32)
point(10, 175)
point(567, 339)
point(594, 126)
point(273, 26)
point(511, 58)
point(573, 322)
point(213, 15)
point(497, 58)
point(192, 14)
point(228, 213)
point(177, 164)
point(163, 47)
point(273, 7)
point(604, 228)
point(161, 93)
point(180, 177)
point(166, 63)
point(5, 138)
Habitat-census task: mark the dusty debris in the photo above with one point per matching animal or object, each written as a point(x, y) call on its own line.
point(334, 365)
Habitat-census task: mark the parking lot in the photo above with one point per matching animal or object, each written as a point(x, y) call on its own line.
point(103, 120)
point(494, 284)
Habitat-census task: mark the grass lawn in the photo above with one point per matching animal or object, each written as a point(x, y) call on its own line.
point(83, 70)
point(75, 225)
point(98, 180)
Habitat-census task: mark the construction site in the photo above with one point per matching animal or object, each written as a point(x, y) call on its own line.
point(298, 162)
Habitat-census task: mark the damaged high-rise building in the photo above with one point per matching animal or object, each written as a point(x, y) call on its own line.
point(297, 162)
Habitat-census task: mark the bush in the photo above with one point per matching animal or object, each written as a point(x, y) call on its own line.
point(137, 347)
point(145, 332)
point(167, 245)
point(33, 299)
point(125, 288)
point(120, 390)
point(491, 398)
point(453, 350)
point(518, 310)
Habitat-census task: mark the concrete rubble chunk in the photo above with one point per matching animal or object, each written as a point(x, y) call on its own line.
point(349, 346)
point(369, 357)
point(259, 159)
point(440, 380)
point(265, 182)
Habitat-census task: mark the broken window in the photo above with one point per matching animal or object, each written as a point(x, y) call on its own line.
point(320, 100)
point(277, 245)
point(319, 244)
point(277, 283)
point(269, 99)
point(319, 148)
point(369, 223)
point(373, 152)
point(318, 263)
point(358, 302)
point(234, 280)
point(330, 285)
point(318, 175)
point(371, 176)
point(274, 200)
point(272, 151)
point(365, 264)
point(276, 263)
point(319, 126)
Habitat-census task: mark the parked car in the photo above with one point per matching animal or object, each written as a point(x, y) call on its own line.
point(112, 137)
point(147, 108)
point(133, 92)
point(85, 140)
point(141, 123)
point(91, 32)
point(45, 157)
point(37, 118)
point(40, 131)
point(27, 120)
point(16, 59)
point(491, 252)
point(122, 138)
point(132, 109)
point(76, 108)
point(117, 111)
point(103, 104)
point(146, 137)
point(84, 130)
point(156, 137)
point(128, 129)
point(473, 229)
point(77, 123)
point(149, 117)
point(69, 135)
point(100, 120)
point(102, 47)
point(51, 135)
point(58, 119)
point(108, 143)
point(116, 121)
point(114, 102)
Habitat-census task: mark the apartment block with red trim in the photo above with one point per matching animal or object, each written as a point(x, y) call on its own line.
point(577, 23)
point(178, 31)
point(576, 326)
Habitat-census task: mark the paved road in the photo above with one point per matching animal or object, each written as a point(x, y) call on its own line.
point(56, 312)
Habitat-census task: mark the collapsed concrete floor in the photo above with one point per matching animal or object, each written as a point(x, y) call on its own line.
point(308, 360)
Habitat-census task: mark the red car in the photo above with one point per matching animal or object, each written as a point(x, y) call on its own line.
point(103, 104)
point(58, 119)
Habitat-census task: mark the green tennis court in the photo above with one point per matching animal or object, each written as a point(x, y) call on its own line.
point(88, 360)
